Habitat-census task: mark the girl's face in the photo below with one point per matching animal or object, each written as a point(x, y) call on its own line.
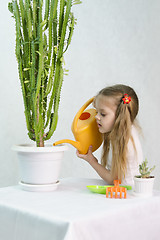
point(106, 111)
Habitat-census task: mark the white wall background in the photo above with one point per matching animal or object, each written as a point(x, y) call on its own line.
point(114, 42)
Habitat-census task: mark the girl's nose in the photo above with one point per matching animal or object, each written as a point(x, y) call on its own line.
point(97, 117)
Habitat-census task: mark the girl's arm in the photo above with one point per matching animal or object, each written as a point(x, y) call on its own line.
point(101, 170)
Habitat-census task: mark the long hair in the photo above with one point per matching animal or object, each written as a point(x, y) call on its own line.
point(120, 134)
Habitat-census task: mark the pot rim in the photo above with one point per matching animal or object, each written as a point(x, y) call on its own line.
point(151, 178)
point(33, 148)
point(139, 176)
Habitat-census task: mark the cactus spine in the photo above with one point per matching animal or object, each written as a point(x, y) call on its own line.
point(144, 170)
point(43, 33)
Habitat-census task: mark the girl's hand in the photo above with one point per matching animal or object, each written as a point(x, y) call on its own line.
point(104, 173)
point(87, 157)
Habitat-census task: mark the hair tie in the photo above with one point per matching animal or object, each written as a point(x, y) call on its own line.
point(126, 99)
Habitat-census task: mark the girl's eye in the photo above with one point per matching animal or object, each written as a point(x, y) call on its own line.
point(103, 115)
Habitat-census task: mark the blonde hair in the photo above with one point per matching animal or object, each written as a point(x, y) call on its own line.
point(120, 134)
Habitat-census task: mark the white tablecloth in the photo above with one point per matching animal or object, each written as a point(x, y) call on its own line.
point(72, 212)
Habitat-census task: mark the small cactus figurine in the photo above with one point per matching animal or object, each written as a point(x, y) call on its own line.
point(44, 29)
point(144, 170)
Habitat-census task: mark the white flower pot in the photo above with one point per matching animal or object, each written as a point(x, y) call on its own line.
point(39, 166)
point(143, 186)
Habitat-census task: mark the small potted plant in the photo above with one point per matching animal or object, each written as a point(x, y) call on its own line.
point(44, 29)
point(143, 183)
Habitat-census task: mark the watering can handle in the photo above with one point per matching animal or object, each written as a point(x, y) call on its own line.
point(80, 112)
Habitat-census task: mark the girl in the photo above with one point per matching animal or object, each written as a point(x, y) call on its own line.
point(117, 107)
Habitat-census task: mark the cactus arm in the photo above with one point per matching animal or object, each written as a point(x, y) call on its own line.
point(47, 5)
point(45, 76)
point(27, 51)
point(28, 61)
point(55, 96)
point(51, 17)
point(19, 58)
point(33, 58)
point(52, 68)
point(26, 39)
point(29, 56)
point(40, 52)
point(18, 31)
point(36, 40)
point(25, 33)
point(71, 29)
point(28, 18)
point(61, 17)
point(46, 15)
point(60, 53)
point(33, 54)
point(35, 18)
point(55, 115)
point(54, 42)
point(50, 31)
point(37, 101)
point(52, 127)
point(57, 99)
point(64, 26)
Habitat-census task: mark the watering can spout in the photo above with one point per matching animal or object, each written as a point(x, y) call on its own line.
point(74, 143)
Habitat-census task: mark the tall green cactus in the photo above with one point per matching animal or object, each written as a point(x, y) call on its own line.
point(44, 30)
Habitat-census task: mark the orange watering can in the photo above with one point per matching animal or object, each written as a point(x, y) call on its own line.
point(85, 130)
